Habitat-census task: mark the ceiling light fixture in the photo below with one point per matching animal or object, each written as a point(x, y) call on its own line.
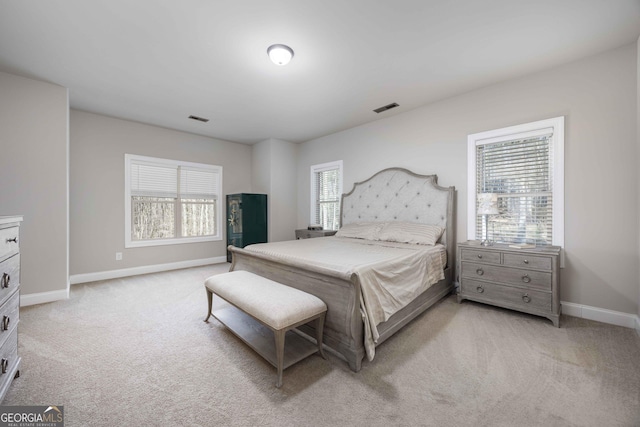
point(280, 54)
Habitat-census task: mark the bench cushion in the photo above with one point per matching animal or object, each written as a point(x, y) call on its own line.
point(273, 303)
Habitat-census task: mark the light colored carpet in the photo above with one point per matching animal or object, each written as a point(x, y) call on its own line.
point(135, 351)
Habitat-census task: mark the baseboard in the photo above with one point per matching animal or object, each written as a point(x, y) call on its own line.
point(145, 269)
point(42, 297)
point(601, 315)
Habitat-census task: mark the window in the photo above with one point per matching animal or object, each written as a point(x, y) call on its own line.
point(524, 166)
point(169, 202)
point(326, 190)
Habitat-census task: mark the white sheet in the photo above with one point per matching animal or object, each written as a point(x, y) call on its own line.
point(391, 274)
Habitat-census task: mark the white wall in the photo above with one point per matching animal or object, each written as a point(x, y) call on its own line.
point(275, 173)
point(597, 96)
point(34, 175)
point(638, 163)
point(261, 167)
point(98, 145)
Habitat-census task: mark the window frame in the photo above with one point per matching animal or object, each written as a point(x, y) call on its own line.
point(519, 132)
point(130, 243)
point(322, 167)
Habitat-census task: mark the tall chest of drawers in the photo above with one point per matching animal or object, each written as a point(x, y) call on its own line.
point(526, 280)
point(9, 300)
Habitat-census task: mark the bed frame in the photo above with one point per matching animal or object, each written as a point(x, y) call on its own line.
point(393, 194)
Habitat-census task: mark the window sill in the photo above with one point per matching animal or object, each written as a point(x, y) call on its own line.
point(176, 241)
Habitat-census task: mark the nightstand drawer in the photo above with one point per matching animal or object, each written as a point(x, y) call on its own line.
point(526, 299)
point(526, 261)
point(480, 256)
point(304, 234)
point(310, 234)
point(512, 276)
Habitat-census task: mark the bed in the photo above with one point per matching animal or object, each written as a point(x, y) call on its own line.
point(350, 271)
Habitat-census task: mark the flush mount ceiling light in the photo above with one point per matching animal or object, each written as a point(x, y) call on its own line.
point(280, 54)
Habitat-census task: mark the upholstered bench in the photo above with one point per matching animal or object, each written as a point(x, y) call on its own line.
point(278, 307)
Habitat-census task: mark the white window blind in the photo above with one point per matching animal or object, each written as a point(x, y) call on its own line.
point(198, 183)
point(162, 181)
point(326, 190)
point(520, 172)
point(524, 166)
point(153, 180)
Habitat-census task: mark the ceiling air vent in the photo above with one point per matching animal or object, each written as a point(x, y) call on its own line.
point(200, 119)
point(386, 107)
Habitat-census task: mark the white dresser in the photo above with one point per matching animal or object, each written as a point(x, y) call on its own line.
point(9, 300)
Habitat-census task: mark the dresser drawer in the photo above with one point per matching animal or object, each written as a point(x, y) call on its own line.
point(9, 276)
point(9, 357)
point(527, 261)
point(9, 244)
point(525, 299)
point(480, 256)
point(9, 316)
point(513, 276)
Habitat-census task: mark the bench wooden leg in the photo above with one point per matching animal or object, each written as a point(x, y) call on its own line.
point(319, 332)
point(279, 335)
point(210, 300)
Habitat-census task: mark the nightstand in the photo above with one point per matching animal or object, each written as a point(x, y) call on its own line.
point(310, 234)
point(526, 280)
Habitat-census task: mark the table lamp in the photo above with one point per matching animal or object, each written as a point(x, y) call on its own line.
point(487, 205)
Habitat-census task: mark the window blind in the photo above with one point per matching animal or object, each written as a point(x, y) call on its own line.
point(156, 180)
point(153, 180)
point(520, 172)
point(327, 198)
point(198, 183)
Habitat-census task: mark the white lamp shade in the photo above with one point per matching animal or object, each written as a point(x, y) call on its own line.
point(488, 204)
point(280, 54)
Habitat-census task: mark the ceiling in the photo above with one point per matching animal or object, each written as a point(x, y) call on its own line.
point(159, 61)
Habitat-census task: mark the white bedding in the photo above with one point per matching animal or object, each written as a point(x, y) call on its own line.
point(391, 274)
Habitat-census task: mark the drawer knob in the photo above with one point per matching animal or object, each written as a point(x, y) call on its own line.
point(480, 272)
point(526, 298)
point(480, 289)
point(480, 256)
point(4, 365)
point(13, 239)
point(526, 278)
point(5, 323)
point(526, 261)
point(6, 278)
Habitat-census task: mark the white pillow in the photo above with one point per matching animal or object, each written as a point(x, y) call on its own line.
point(361, 230)
point(410, 232)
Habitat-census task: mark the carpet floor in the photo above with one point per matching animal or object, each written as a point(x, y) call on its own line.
point(135, 352)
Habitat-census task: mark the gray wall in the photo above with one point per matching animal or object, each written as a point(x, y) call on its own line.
point(34, 175)
point(597, 96)
point(274, 164)
point(98, 145)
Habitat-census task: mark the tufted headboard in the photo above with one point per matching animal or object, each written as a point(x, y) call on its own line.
point(397, 194)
